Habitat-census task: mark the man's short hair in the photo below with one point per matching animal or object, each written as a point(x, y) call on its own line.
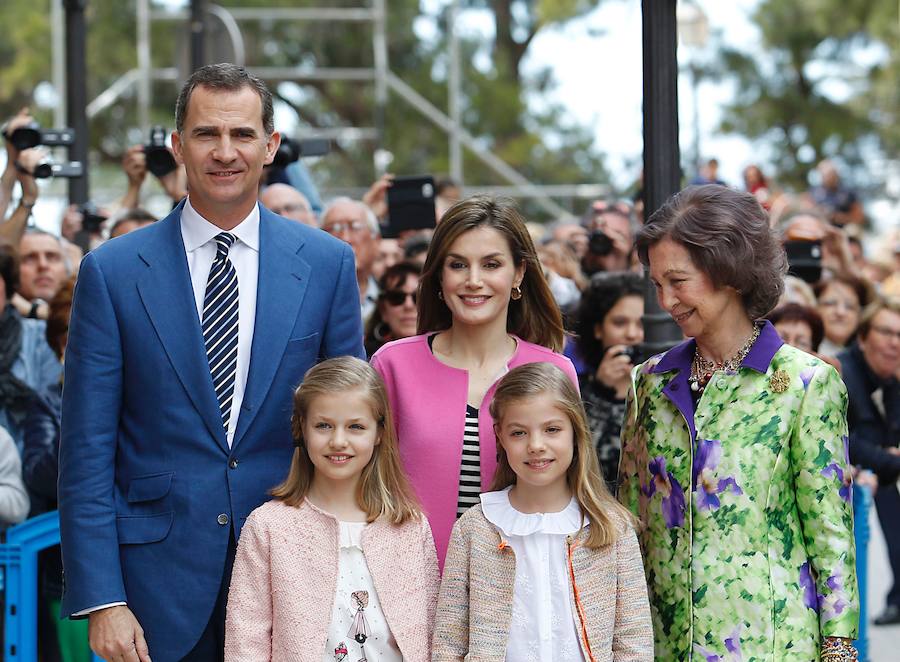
point(37, 232)
point(135, 215)
point(225, 77)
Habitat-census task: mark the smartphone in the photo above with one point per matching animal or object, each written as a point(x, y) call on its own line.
point(410, 205)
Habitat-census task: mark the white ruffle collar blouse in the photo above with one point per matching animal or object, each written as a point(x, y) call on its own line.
point(543, 622)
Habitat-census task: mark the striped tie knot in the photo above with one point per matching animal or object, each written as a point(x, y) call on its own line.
point(224, 240)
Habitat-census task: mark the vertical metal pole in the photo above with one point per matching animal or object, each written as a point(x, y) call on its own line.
point(454, 81)
point(76, 95)
point(57, 32)
point(695, 93)
point(379, 46)
point(144, 64)
point(198, 34)
point(662, 173)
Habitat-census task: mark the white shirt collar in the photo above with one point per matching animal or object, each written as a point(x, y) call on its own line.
point(198, 231)
point(499, 511)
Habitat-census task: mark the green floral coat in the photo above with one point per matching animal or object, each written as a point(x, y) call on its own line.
point(745, 503)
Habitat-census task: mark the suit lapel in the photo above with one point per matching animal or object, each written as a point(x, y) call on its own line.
point(283, 279)
point(168, 297)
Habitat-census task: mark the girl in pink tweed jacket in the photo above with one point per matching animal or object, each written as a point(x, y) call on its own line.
point(341, 564)
point(548, 566)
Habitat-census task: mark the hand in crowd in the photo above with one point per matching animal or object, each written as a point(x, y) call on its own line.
point(175, 183)
point(115, 634)
point(20, 119)
point(376, 197)
point(614, 369)
point(134, 163)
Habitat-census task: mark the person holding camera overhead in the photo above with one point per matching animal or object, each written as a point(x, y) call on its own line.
point(484, 308)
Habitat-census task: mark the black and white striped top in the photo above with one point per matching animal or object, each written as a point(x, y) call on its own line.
point(470, 469)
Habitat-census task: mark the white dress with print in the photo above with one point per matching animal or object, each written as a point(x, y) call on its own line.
point(358, 631)
point(543, 624)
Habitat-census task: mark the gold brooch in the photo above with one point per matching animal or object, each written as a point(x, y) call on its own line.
point(779, 381)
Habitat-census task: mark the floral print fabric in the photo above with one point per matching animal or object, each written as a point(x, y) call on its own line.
point(748, 531)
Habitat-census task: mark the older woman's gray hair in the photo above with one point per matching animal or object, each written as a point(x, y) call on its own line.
point(727, 234)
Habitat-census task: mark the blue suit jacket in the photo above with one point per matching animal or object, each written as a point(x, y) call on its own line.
point(146, 476)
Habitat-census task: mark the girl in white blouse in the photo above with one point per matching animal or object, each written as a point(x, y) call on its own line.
point(548, 566)
point(341, 564)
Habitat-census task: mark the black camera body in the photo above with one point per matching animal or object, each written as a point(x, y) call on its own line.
point(599, 243)
point(91, 218)
point(632, 352)
point(804, 259)
point(159, 159)
point(47, 168)
point(32, 135)
point(290, 150)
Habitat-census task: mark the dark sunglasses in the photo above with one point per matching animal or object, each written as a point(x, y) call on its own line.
point(398, 297)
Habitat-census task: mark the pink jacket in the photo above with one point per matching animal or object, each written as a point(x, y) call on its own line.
point(285, 578)
point(428, 400)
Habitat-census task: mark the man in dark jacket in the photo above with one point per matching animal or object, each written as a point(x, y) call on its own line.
point(870, 370)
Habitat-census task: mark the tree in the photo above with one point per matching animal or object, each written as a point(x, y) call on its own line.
point(786, 96)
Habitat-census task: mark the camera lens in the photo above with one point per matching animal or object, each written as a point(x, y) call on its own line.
point(599, 243)
point(26, 137)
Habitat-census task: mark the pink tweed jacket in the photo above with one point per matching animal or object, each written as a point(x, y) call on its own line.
point(475, 604)
point(285, 578)
point(428, 400)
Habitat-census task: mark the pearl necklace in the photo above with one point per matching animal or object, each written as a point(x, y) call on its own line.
point(702, 369)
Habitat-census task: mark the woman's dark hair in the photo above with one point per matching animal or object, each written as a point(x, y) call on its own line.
point(727, 234)
point(796, 312)
point(534, 317)
point(393, 277)
point(9, 270)
point(603, 293)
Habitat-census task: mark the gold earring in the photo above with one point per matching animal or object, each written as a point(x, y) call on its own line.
point(516, 293)
point(441, 295)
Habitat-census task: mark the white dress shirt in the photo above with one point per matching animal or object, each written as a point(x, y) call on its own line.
point(198, 235)
point(543, 624)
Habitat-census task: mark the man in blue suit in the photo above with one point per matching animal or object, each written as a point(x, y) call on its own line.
point(186, 341)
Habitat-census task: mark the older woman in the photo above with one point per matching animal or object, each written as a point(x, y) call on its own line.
point(840, 300)
point(735, 452)
point(484, 308)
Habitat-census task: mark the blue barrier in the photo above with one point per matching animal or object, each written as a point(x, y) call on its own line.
point(19, 566)
point(862, 504)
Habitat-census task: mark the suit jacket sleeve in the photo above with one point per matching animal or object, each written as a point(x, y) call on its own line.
point(344, 334)
point(248, 624)
point(822, 481)
point(92, 399)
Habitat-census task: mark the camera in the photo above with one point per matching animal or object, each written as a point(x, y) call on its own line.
point(631, 352)
point(32, 135)
point(91, 217)
point(804, 259)
point(159, 159)
point(599, 243)
point(47, 168)
point(290, 150)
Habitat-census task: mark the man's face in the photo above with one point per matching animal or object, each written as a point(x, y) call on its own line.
point(881, 346)
point(42, 268)
point(287, 201)
point(347, 221)
point(223, 148)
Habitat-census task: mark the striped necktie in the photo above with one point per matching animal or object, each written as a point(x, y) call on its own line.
point(220, 324)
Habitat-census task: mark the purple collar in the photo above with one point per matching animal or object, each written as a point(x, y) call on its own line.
point(758, 358)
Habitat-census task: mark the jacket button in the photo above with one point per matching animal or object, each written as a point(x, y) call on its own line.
point(222, 519)
point(233, 464)
point(721, 383)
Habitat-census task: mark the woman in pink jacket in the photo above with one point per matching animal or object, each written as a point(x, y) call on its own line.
point(484, 308)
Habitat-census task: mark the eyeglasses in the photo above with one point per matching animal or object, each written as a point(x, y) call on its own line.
point(398, 297)
point(886, 332)
point(289, 209)
point(354, 227)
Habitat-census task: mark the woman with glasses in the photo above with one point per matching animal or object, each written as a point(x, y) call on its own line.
point(734, 452)
point(395, 312)
point(484, 308)
point(840, 300)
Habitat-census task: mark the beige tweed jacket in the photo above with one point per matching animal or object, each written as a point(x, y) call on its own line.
point(475, 601)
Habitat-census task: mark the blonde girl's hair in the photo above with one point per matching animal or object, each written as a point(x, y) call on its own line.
point(535, 317)
point(605, 515)
point(383, 489)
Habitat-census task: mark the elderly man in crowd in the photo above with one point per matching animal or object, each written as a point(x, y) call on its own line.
point(869, 369)
point(352, 221)
point(287, 201)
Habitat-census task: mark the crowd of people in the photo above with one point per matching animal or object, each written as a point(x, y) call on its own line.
point(478, 449)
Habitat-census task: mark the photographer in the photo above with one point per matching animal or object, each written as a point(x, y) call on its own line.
point(610, 240)
point(134, 163)
point(18, 166)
